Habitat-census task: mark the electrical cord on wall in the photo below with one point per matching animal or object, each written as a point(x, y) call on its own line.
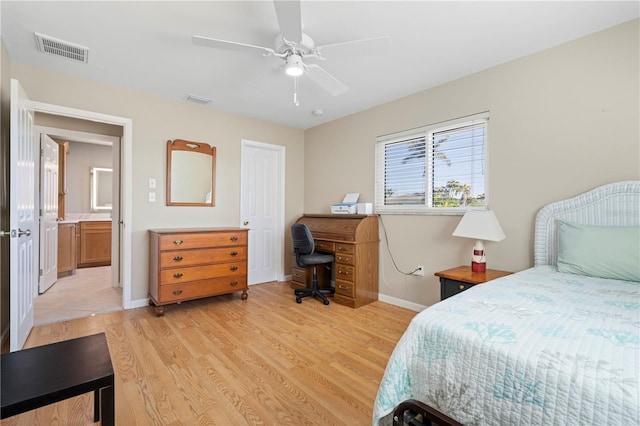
point(386, 240)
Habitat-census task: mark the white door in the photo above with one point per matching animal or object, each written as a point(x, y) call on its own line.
point(261, 208)
point(22, 217)
point(48, 212)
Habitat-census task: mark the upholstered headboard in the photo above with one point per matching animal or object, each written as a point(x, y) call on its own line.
point(615, 204)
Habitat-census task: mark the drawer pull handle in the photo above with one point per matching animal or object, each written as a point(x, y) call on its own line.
point(461, 287)
point(234, 268)
point(234, 238)
point(234, 253)
point(177, 275)
point(233, 283)
point(177, 242)
point(341, 248)
point(341, 272)
point(177, 259)
point(177, 292)
point(343, 287)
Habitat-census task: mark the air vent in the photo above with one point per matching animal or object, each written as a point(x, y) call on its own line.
point(53, 46)
point(200, 100)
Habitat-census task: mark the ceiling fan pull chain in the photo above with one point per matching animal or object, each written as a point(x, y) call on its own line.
point(295, 91)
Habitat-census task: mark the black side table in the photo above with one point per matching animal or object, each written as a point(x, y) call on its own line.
point(33, 378)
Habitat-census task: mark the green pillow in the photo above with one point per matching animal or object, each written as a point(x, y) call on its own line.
point(599, 251)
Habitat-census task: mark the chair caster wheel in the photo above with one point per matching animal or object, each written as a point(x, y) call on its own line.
point(326, 302)
point(298, 300)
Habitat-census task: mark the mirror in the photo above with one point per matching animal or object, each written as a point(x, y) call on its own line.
point(191, 172)
point(101, 188)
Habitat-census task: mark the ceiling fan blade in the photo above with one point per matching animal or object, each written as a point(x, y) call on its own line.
point(325, 80)
point(364, 47)
point(289, 19)
point(230, 45)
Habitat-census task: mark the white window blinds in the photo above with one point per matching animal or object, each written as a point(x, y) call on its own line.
point(439, 168)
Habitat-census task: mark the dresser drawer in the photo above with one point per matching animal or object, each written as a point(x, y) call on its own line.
point(198, 289)
point(345, 272)
point(344, 288)
point(348, 259)
point(194, 273)
point(200, 240)
point(181, 258)
point(326, 246)
point(345, 248)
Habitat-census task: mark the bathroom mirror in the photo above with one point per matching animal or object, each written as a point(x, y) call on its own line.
point(191, 173)
point(101, 188)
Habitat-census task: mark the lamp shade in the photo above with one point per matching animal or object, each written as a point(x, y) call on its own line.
point(294, 66)
point(479, 225)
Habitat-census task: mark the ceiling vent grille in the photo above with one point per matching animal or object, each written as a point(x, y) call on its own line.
point(200, 100)
point(54, 46)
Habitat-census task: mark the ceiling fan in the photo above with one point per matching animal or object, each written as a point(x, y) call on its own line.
point(293, 46)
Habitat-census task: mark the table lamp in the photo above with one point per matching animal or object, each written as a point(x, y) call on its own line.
point(480, 225)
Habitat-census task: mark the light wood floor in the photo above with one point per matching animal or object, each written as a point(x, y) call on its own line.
point(223, 361)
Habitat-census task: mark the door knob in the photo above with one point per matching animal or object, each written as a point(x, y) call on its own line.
point(246, 222)
point(21, 232)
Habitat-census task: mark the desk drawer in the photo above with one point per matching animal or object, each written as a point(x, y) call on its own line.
point(345, 248)
point(327, 246)
point(299, 275)
point(348, 259)
point(345, 272)
point(344, 288)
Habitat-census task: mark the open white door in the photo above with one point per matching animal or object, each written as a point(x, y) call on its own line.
point(261, 208)
point(22, 217)
point(48, 212)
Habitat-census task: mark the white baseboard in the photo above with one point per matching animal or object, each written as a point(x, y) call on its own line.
point(402, 303)
point(388, 299)
point(140, 303)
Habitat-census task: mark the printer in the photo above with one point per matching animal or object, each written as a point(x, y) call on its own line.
point(349, 205)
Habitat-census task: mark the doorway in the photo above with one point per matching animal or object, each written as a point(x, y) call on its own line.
point(83, 283)
point(122, 167)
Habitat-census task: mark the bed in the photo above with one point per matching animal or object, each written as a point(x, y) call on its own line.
point(558, 343)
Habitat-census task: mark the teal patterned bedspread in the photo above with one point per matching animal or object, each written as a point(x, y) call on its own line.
point(537, 347)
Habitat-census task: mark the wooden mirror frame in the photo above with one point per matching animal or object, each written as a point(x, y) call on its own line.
point(196, 147)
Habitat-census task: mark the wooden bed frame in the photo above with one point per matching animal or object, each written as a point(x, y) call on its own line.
point(615, 204)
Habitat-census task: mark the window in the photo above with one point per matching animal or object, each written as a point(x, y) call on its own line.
point(433, 169)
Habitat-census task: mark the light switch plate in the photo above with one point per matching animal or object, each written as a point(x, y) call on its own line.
point(152, 197)
point(152, 183)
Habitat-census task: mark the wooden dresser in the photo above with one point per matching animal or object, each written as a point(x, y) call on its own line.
point(353, 239)
point(187, 264)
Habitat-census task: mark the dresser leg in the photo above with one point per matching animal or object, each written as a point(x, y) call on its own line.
point(244, 295)
point(159, 311)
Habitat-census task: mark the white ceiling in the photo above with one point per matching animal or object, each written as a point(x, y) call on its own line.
point(147, 46)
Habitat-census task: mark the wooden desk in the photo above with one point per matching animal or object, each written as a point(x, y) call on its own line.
point(33, 378)
point(353, 239)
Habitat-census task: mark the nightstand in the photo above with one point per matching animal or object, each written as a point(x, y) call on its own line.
point(457, 280)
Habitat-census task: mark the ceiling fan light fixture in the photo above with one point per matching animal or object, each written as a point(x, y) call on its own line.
point(294, 66)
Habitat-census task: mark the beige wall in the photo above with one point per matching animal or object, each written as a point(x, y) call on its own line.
point(156, 120)
point(562, 121)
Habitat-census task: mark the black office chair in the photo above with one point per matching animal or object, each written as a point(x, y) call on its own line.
point(304, 247)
